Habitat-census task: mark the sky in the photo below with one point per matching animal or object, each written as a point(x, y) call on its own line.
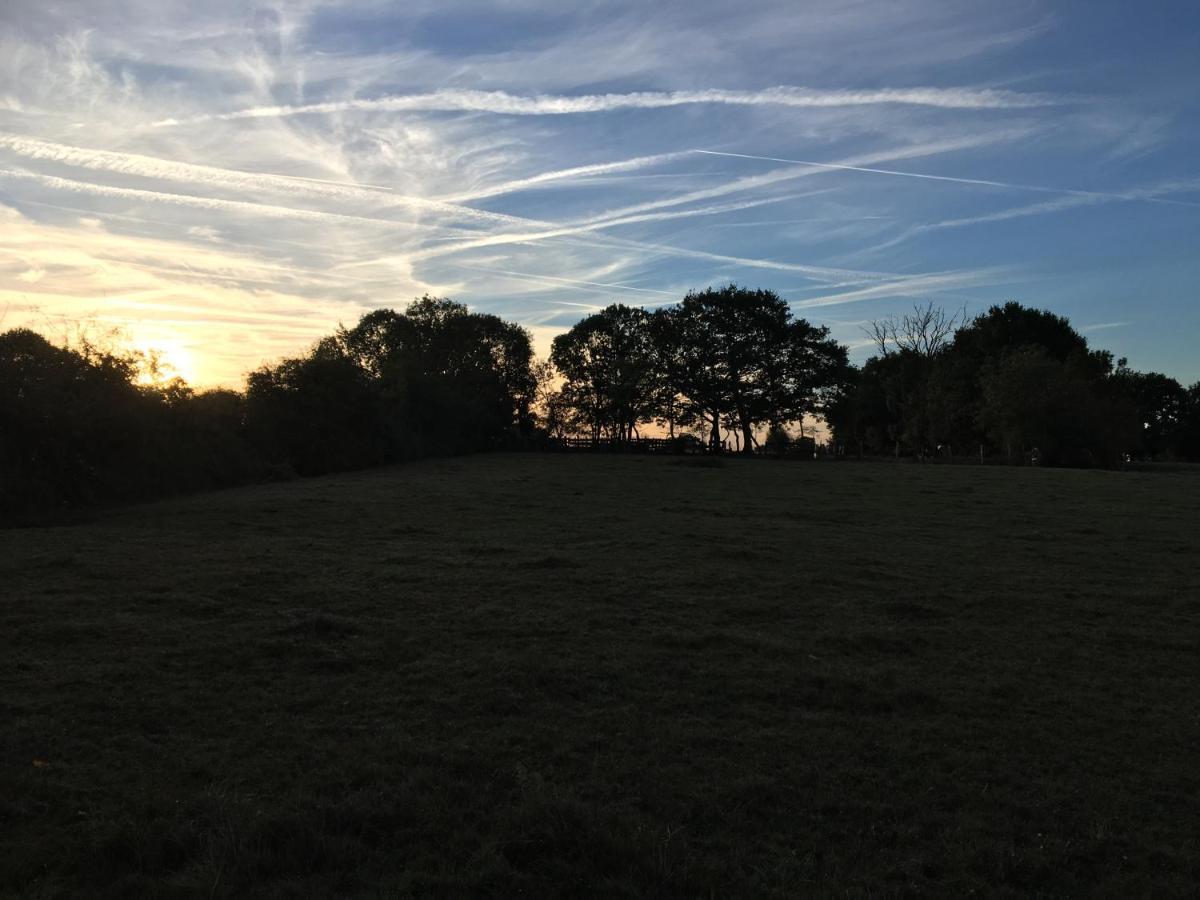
point(226, 182)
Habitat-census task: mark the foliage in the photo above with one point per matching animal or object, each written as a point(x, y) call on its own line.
point(434, 379)
point(79, 426)
point(1016, 382)
point(89, 423)
point(1033, 401)
point(610, 369)
point(76, 428)
point(738, 354)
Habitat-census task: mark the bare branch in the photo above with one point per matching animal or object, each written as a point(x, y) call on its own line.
point(882, 333)
point(927, 330)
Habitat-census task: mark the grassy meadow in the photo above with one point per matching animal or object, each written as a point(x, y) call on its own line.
point(573, 674)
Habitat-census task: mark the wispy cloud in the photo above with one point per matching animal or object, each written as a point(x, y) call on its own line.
point(1073, 201)
point(503, 103)
point(1100, 195)
point(156, 168)
point(653, 210)
point(559, 175)
point(912, 286)
point(593, 287)
point(214, 204)
point(532, 159)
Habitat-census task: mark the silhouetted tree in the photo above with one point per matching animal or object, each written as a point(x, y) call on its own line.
point(1160, 403)
point(77, 426)
point(737, 353)
point(1185, 443)
point(437, 378)
point(1032, 400)
point(316, 414)
point(925, 331)
point(609, 366)
point(89, 423)
point(1012, 378)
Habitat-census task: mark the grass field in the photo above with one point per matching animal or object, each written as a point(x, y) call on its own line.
point(610, 675)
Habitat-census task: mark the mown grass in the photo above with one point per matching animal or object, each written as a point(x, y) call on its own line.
point(623, 676)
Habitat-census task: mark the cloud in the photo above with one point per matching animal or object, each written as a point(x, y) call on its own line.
point(1099, 195)
point(527, 156)
point(533, 181)
point(1073, 200)
point(214, 204)
point(650, 210)
point(913, 286)
point(503, 103)
point(156, 168)
point(594, 287)
point(153, 167)
point(237, 309)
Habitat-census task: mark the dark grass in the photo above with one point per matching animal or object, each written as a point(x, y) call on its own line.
point(622, 676)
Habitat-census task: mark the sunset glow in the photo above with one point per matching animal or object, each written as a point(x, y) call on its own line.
point(227, 183)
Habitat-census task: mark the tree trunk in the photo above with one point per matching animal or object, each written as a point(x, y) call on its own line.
point(746, 445)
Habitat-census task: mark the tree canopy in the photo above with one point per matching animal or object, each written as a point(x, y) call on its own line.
point(90, 423)
point(1016, 381)
point(738, 356)
point(609, 364)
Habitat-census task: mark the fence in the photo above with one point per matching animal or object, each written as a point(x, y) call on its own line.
point(636, 445)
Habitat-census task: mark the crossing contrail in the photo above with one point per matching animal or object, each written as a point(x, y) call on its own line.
point(1108, 195)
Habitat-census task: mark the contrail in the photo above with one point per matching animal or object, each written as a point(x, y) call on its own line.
point(748, 182)
point(1068, 202)
point(215, 204)
point(978, 181)
point(931, 283)
point(572, 229)
point(566, 282)
point(520, 184)
point(210, 203)
point(651, 210)
point(503, 103)
point(156, 167)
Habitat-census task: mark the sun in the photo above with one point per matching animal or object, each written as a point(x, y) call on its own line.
point(175, 358)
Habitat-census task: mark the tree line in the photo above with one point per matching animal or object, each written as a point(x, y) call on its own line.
point(722, 360)
point(84, 424)
point(92, 423)
point(1016, 382)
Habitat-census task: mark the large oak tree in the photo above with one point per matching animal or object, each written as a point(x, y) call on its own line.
point(739, 355)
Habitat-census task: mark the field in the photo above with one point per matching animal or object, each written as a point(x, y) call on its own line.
point(610, 675)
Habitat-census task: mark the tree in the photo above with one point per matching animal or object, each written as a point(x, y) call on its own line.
point(911, 349)
point(1160, 402)
point(1032, 400)
point(609, 366)
point(82, 423)
point(926, 331)
point(737, 353)
point(437, 378)
point(1004, 328)
point(1186, 441)
point(316, 413)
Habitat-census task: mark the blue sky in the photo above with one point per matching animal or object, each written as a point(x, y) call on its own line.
point(228, 181)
